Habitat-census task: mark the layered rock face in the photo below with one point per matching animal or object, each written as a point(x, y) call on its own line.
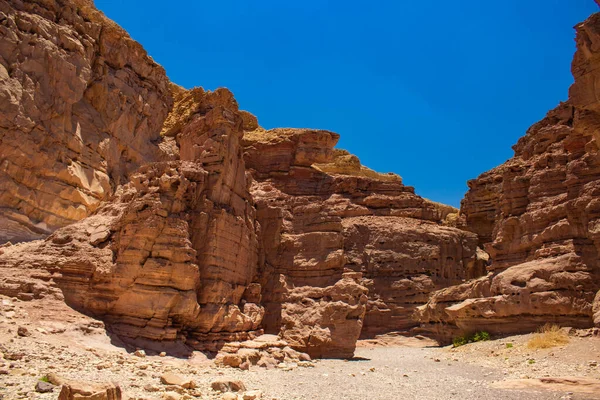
point(172, 215)
point(322, 213)
point(325, 322)
point(174, 254)
point(538, 216)
point(82, 107)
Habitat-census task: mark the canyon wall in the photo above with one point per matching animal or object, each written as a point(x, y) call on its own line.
point(322, 214)
point(173, 254)
point(173, 216)
point(538, 216)
point(82, 107)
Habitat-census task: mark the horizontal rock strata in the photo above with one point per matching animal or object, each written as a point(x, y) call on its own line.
point(538, 216)
point(322, 213)
point(82, 107)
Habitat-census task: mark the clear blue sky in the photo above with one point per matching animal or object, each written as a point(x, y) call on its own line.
point(436, 91)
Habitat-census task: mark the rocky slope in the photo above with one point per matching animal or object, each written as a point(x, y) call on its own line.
point(82, 107)
point(538, 216)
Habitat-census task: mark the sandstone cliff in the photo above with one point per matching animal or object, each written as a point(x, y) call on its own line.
point(173, 255)
point(538, 216)
point(82, 107)
point(174, 216)
point(322, 213)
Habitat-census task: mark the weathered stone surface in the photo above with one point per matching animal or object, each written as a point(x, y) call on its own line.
point(322, 212)
point(228, 386)
point(194, 229)
point(325, 322)
point(169, 378)
point(596, 309)
point(538, 216)
point(80, 390)
point(82, 107)
point(172, 254)
point(265, 351)
point(44, 387)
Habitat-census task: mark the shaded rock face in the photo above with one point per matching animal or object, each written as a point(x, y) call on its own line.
point(322, 213)
point(174, 254)
point(82, 107)
point(538, 216)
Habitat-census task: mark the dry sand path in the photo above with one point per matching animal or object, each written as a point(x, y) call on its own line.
point(389, 373)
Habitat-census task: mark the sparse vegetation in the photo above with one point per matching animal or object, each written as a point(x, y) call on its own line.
point(548, 336)
point(476, 337)
point(45, 379)
point(509, 345)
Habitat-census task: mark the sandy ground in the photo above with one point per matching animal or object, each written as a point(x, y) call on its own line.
point(74, 346)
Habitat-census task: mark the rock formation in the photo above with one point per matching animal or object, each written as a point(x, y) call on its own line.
point(322, 213)
point(82, 107)
point(173, 254)
point(174, 216)
point(168, 225)
point(538, 216)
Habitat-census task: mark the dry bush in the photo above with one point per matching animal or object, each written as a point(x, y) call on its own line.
point(548, 336)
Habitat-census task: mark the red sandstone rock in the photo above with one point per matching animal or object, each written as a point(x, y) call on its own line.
point(325, 322)
point(172, 254)
point(238, 222)
point(538, 216)
point(596, 309)
point(82, 107)
point(322, 212)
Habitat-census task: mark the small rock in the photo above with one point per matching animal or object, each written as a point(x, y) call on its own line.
point(229, 396)
point(252, 395)
point(162, 354)
point(139, 353)
point(151, 388)
point(44, 387)
point(170, 378)
point(228, 386)
point(245, 366)
point(231, 360)
point(171, 396)
point(24, 332)
point(103, 365)
point(14, 356)
point(306, 364)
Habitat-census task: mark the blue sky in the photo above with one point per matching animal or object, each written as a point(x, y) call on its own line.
point(435, 91)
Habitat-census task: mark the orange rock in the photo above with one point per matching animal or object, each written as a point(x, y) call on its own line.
point(538, 216)
point(82, 108)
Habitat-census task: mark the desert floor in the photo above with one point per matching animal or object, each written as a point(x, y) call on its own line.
point(61, 341)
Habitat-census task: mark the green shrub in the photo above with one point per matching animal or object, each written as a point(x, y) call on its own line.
point(476, 337)
point(45, 379)
point(509, 345)
point(460, 341)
